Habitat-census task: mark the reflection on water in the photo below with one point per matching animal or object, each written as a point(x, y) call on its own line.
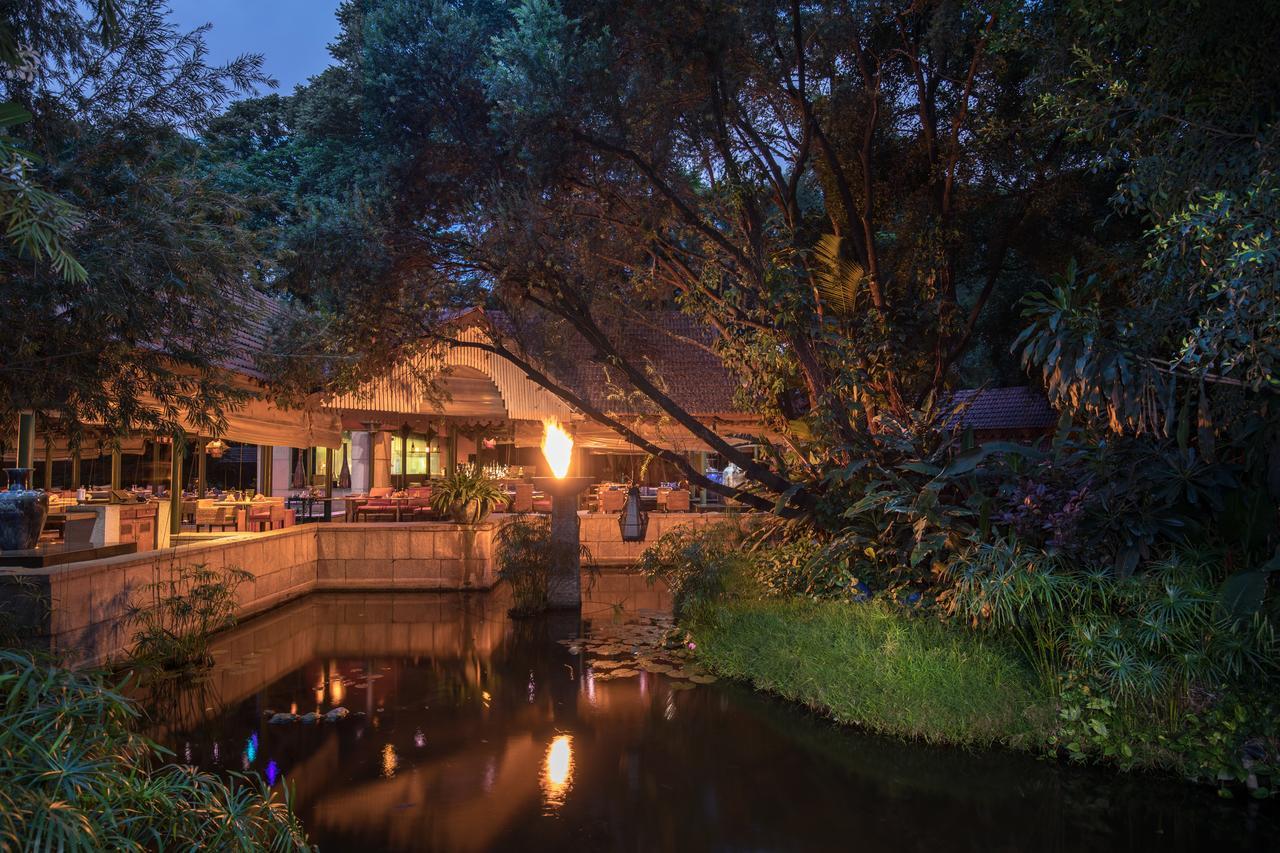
point(469, 731)
point(557, 775)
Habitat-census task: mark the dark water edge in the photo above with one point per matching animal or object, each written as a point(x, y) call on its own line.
point(472, 731)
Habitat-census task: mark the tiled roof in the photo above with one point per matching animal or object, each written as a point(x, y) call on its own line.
point(254, 313)
point(1018, 408)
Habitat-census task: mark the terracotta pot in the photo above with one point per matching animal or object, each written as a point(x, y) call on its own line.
point(22, 512)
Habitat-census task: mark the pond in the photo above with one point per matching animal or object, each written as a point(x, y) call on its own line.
point(471, 731)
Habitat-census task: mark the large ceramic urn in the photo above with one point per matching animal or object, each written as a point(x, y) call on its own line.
point(22, 512)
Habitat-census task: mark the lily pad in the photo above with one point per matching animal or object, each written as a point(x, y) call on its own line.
point(703, 679)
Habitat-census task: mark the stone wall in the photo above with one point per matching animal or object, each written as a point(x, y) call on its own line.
point(79, 609)
point(600, 533)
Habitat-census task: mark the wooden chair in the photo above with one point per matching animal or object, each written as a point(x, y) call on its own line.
point(523, 500)
point(678, 500)
point(381, 509)
point(613, 500)
point(220, 517)
point(189, 511)
point(419, 505)
point(382, 492)
point(260, 517)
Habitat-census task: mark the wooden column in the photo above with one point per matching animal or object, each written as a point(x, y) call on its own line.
point(175, 485)
point(202, 468)
point(75, 469)
point(26, 439)
point(117, 466)
point(451, 461)
point(155, 465)
point(264, 469)
point(48, 464)
point(328, 483)
point(404, 456)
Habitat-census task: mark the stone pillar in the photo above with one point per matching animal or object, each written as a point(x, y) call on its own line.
point(281, 470)
point(361, 457)
point(564, 587)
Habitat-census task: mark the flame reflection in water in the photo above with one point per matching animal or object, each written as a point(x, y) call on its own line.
point(557, 772)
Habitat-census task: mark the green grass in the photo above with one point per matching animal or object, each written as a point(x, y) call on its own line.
point(867, 665)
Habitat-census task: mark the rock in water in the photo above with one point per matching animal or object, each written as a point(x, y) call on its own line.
point(311, 717)
point(336, 714)
point(283, 718)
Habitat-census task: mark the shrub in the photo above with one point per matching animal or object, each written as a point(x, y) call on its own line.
point(696, 564)
point(78, 777)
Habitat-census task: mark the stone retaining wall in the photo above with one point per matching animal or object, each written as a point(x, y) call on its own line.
point(79, 609)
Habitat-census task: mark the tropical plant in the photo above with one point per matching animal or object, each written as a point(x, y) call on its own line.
point(1151, 640)
point(698, 564)
point(523, 551)
point(78, 776)
point(466, 495)
point(176, 618)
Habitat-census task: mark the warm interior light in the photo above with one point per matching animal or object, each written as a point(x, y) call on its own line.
point(557, 774)
point(557, 446)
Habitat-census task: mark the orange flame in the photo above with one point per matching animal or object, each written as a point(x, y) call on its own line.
point(557, 446)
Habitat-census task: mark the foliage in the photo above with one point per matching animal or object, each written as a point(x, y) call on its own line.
point(1178, 99)
point(467, 484)
point(142, 261)
point(176, 618)
point(696, 564)
point(523, 551)
point(875, 666)
point(1149, 640)
point(1230, 740)
point(79, 778)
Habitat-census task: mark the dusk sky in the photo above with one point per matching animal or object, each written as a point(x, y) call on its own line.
point(293, 35)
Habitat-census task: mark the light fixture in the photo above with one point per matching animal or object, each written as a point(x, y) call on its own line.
point(215, 448)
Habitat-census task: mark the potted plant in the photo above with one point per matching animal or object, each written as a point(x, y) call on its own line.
point(467, 495)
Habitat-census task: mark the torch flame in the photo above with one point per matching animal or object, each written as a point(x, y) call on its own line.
point(557, 446)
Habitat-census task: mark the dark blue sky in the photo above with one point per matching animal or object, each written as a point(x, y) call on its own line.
point(293, 35)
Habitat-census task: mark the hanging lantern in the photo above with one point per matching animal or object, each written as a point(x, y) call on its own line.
point(633, 522)
point(215, 448)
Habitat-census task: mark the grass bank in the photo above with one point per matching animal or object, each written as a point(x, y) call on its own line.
point(869, 666)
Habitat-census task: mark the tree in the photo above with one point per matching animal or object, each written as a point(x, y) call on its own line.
point(1180, 100)
point(837, 190)
point(121, 318)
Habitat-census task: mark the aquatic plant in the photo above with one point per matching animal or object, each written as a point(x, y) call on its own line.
point(523, 551)
point(176, 617)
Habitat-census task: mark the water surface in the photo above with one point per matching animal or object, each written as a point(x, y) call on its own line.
point(471, 731)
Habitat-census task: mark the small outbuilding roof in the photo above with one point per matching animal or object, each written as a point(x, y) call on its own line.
point(1017, 408)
